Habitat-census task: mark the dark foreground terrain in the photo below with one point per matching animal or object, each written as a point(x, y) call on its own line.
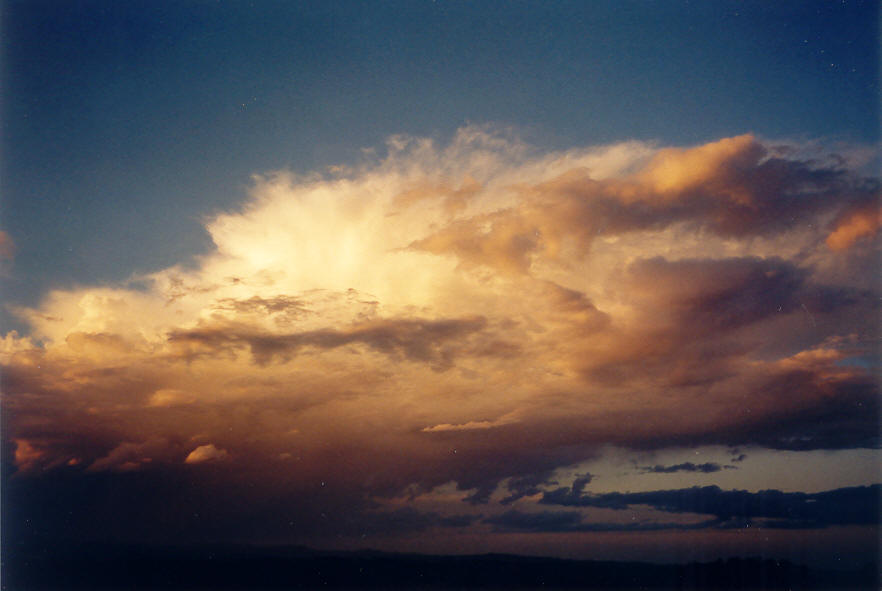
point(243, 567)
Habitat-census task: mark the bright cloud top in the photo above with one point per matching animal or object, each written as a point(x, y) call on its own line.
point(351, 331)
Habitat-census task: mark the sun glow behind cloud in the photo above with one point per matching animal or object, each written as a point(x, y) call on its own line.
point(478, 313)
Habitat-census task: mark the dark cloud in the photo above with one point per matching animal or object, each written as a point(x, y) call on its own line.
point(699, 319)
point(526, 486)
point(430, 341)
point(580, 482)
point(719, 295)
point(706, 468)
point(542, 521)
point(840, 412)
point(843, 506)
point(180, 503)
point(283, 309)
point(408, 520)
point(572, 521)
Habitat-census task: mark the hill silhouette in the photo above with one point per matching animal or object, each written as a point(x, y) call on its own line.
point(229, 567)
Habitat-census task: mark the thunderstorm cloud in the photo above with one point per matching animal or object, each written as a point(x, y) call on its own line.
point(478, 313)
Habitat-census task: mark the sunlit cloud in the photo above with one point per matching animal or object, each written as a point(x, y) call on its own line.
point(478, 313)
point(503, 420)
point(205, 453)
point(855, 224)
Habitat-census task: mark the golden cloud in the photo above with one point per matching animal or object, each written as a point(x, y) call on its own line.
point(523, 309)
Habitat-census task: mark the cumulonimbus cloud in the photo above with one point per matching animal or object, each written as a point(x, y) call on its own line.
point(471, 313)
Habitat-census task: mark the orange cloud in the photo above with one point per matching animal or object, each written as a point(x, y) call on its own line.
point(205, 453)
point(347, 334)
point(507, 419)
point(675, 170)
point(27, 454)
point(128, 456)
point(855, 225)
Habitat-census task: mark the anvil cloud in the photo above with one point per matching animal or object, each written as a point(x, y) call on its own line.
point(479, 313)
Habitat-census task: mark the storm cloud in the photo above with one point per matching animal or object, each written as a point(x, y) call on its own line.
point(474, 316)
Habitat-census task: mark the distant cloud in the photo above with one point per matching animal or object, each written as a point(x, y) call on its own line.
point(543, 521)
point(573, 521)
point(706, 468)
point(529, 485)
point(27, 454)
point(206, 453)
point(409, 520)
point(169, 397)
point(771, 508)
point(507, 419)
point(129, 456)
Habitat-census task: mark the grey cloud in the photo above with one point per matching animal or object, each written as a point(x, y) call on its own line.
point(408, 520)
point(432, 341)
point(843, 506)
point(715, 295)
point(283, 309)
point(706, 468)
point(580, 483)
point(526, 486)
point(572, 521)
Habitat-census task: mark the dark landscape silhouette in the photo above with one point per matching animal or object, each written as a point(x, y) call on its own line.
point(105, 566)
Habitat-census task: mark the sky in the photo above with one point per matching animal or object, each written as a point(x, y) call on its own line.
point(591, 280)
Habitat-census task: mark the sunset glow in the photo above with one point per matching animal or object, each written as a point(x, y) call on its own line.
point(639, 349)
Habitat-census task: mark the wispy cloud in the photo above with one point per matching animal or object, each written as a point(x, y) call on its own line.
point(706, 468)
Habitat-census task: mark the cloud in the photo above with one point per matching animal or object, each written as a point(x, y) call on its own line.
point(706, 468)
point(131, 456)
point(572, 521)
point(206, 453)
point(544, 521)
point(529, 485)
point(27, 454)
point(855, 224)
point(412, 339)
point(169, 397)
point(506, 419)
point(480, 313)
point(409, 520)
point(736, 187)
point(772, 508)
